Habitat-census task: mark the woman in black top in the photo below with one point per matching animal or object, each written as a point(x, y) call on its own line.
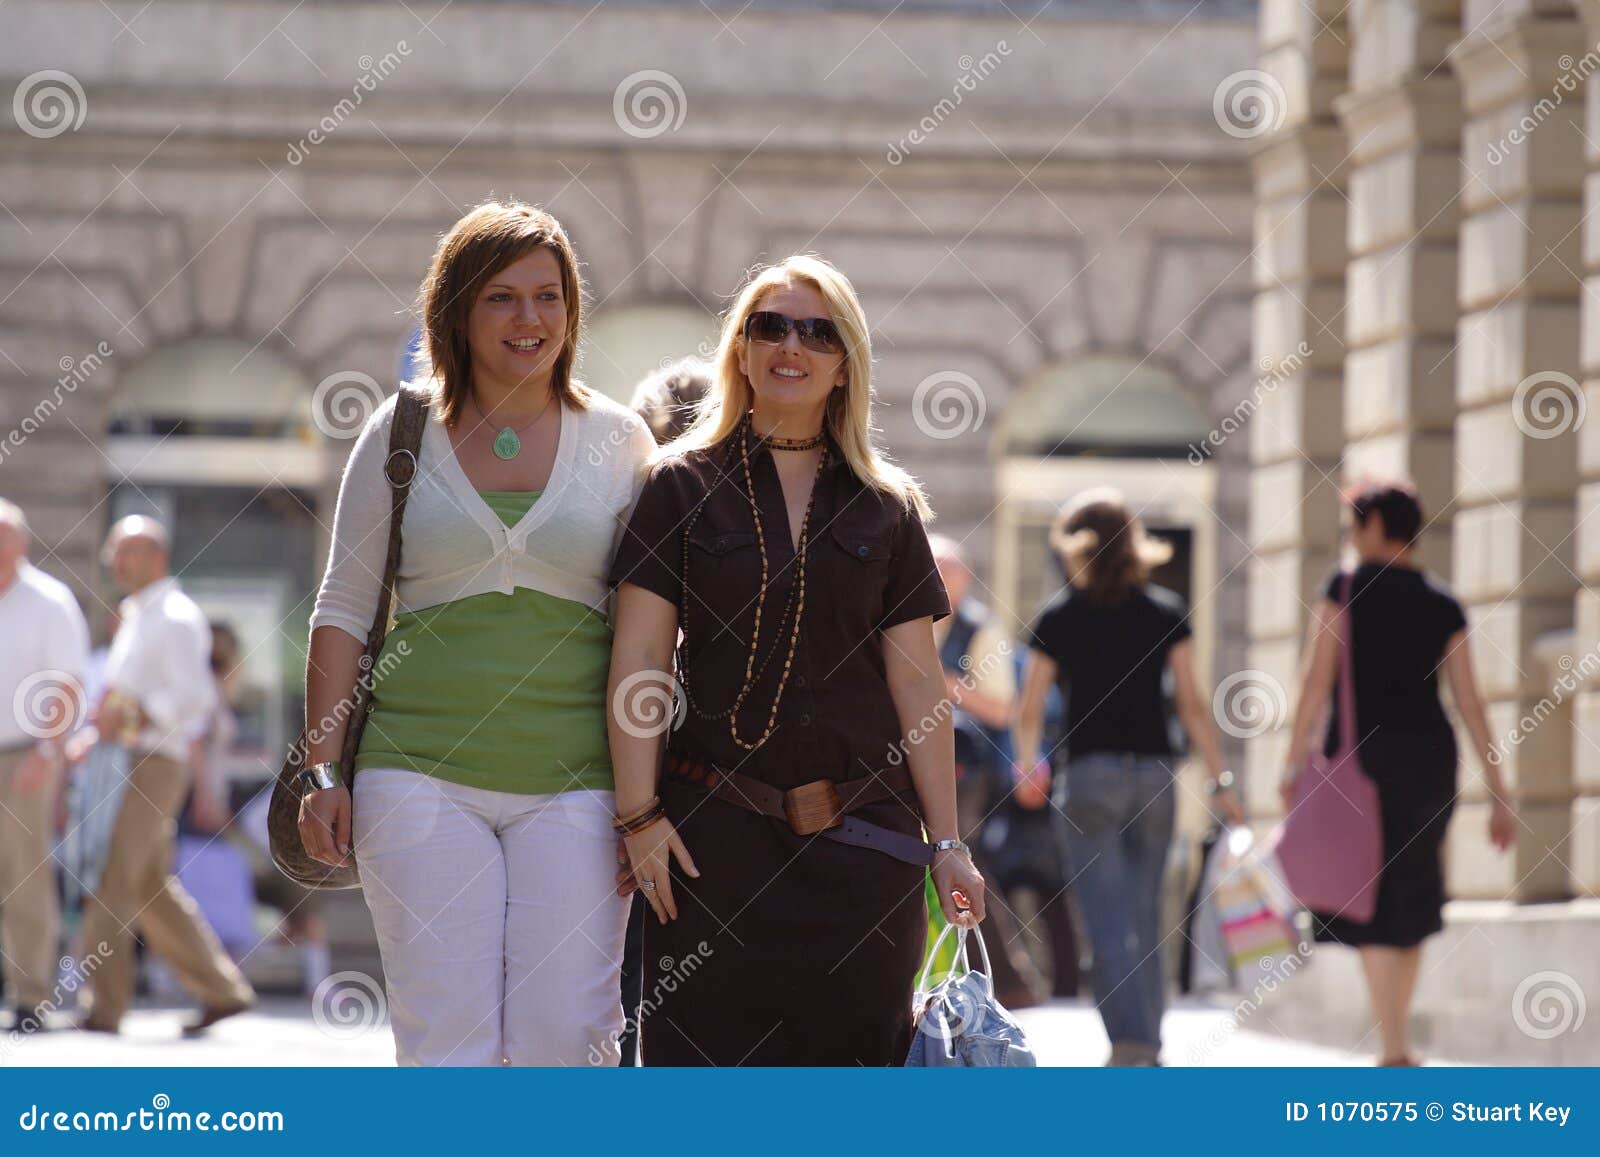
point(1110, 640)
point(1404, 629)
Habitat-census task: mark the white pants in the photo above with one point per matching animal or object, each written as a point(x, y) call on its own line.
point(497, 917)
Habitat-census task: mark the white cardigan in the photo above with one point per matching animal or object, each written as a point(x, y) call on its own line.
point(453, 545)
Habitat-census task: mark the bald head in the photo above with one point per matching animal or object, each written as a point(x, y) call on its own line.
point(137, 552)
point(953, 569)
point(14, 539)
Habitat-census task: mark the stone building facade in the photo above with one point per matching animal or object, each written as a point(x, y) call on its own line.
point(1425, 186)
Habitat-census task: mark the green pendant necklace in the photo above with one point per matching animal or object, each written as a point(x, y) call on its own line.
point(507, 445)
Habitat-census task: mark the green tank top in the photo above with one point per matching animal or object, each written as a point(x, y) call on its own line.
point(499, 691)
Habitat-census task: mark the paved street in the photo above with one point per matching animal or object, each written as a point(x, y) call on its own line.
point(283, 1032)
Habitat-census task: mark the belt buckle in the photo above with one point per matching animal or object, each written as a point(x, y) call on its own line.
point(813, 807)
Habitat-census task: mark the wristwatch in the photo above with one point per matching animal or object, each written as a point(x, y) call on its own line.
point(318, 777)
point(952, 846)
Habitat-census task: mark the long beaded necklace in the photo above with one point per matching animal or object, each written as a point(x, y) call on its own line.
point(796, 603)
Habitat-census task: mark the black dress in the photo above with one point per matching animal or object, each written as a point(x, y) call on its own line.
point(1402, 621)
point(788, 950)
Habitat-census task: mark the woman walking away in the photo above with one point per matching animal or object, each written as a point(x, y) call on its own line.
point(483, 803)
point(780, 843)
point(1110, 640)
point(1404, 628)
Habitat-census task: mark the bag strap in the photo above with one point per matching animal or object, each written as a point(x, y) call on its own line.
point(399, 469)
point(1347, 675)
point(960, 959)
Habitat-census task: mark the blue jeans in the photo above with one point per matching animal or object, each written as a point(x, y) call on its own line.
point(1114, 814)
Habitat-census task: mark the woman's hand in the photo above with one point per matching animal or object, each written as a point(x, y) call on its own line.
point(1502, 824)
point(325, 825)
point(626, 884)
point(649, 851)
point(954, 875)
point(1287, 782)
point(1032, 790)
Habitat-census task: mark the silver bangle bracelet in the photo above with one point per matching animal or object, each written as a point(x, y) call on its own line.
point(319, 777)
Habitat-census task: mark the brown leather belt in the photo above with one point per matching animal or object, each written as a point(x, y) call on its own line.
point(821, 807)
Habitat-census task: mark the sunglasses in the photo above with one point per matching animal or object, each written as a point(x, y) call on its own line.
point(816, 333)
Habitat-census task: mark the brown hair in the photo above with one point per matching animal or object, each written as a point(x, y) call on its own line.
point(668, 399)
point(1394, 499)
point(492, 236)
point(1104, 545)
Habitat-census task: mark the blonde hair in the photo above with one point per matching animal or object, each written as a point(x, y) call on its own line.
point(490, 237)
point(1105, 546)
point(848, 417)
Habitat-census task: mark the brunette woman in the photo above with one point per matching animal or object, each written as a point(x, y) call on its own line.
point(1404, 629)
point(483, 803)
point(781, 841)
point(1112, 641)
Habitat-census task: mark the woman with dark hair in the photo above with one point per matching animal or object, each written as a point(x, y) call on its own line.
point(1110, 640)
point(1404, 628)
point(483, 807)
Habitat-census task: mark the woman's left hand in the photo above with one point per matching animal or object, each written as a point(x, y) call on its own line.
point(626, 884)
point(954, 874)
point(1502, 824)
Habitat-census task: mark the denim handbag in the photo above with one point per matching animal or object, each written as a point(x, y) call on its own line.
point(959, 1023)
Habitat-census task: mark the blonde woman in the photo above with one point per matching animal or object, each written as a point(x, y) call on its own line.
point(483, 803)
point(781, 845)
point(1111, 640)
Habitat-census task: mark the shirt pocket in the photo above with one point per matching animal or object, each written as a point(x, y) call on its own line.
point(857, 574)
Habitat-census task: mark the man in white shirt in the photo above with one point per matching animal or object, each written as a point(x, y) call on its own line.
point(44, 653)
point(158, 692)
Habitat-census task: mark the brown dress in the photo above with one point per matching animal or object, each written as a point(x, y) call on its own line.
point(788, 950)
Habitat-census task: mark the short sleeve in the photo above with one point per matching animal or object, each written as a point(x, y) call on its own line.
point(67, 638)
point(1044, 634)
point(650, 551)
point(1452, 617)
point(914, 590)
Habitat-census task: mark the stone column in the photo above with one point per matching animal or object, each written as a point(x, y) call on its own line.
point(1402, 122)
point(1296, 431)
point(1582, 668)
point(1516, 476)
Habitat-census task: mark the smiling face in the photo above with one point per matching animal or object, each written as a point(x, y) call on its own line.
point(791, 382)
point(518, 324)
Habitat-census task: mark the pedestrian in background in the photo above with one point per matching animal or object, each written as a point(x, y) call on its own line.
point(44, 657)
point(159, 692)
point(1113, 641)
point(1404, 629)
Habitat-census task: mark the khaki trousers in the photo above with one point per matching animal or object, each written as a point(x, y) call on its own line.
point(30, 917)
point(138, 890)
